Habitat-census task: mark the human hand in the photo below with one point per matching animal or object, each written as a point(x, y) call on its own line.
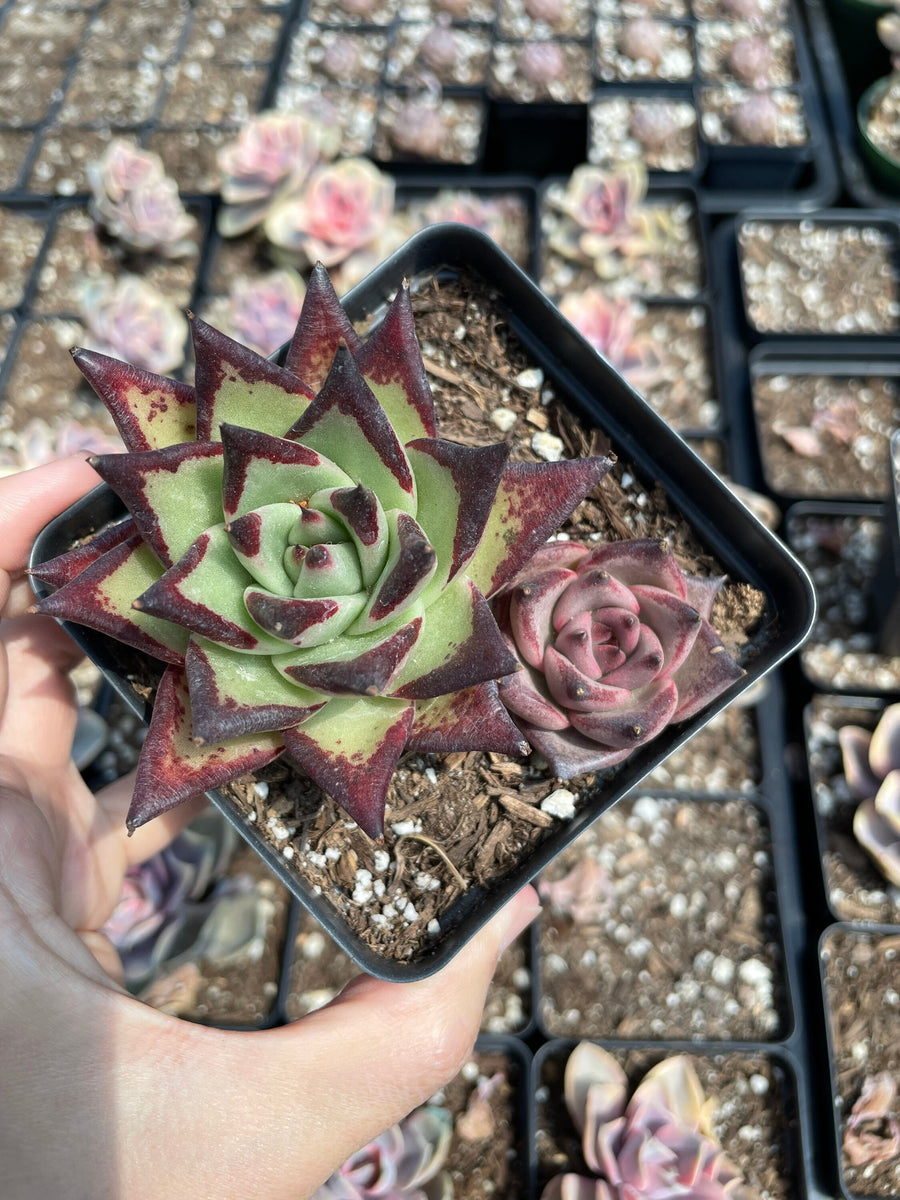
point(104, 1098)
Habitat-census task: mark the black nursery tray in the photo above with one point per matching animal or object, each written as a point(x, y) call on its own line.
point(584, 383)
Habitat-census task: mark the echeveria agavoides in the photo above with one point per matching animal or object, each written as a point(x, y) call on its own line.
point(309, 558)
point(615, 643)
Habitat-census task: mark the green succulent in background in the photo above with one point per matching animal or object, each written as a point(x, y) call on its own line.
point(309, 558)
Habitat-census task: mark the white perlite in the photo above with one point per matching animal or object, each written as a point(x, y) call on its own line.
point(547, 446)
point(531, 378)
point(381, 860)
point(503, 418)
point(559, 804)
point(362, 892)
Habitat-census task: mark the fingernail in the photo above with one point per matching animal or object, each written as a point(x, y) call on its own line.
point(523, 914)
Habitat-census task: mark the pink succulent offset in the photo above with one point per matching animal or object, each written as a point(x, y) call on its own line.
point(138, 203)
point(659, 1145)
point(615, 644)
point(131, 318)
point(609, 325)
point(273, 151)
point(872, 772)
point(340, 208)
point(404, 1163)
point(309, 559)
point(263, 313)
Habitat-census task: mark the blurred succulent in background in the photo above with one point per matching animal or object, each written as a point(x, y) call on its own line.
point(872, 1133)
point(405, 1163)
point(609, 325)
point(542, 62)
point(615, 644)
point(750, 60)
point(339, 208)
point(658, 1145)
point(419, 128)
point(642, 39)
point(261, 313)
point(585, 893)
point(606, 225)
point(136, 202)
point(654, 124)
point(872, 771)
point(503, 217)
point(754, 119)
point(166, 900)
point(129, 318)
point(888, 27)
point(316, 577)
point(273, 152)
point(41, 442)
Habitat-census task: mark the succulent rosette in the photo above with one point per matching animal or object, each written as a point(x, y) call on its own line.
point(657, 1145)
point(130, 317)
point(609, 325)
point(404, 1163)
point(138, 203)
point(615, 644)
point(872, 772)
point(310, 560)
point(340, 208)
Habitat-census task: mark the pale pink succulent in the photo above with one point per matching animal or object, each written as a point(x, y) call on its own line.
point(609, 325)
point(872, 771)
point(503, 217)
point(643, 40)
point(341, 58)
point(542, 62)
point(615, 643)
point(603, 203)
point(755, 119)
point(743, 10)
point(263, 313)
point(653, 124)
point(659, 1145)
point(419, 128)
point(439, 49)
point(40, 442)
point(129, 317)
point(134, 199)
point(273, 152)
point(551, 11)
point(404, 1163)
point(585, 893)
point(750, 60)
point(341, 207)
point(873, 1132)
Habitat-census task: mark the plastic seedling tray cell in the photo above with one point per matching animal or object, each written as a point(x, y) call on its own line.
point(596, 395)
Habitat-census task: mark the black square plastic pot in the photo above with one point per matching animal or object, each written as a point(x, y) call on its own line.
point(594, 393)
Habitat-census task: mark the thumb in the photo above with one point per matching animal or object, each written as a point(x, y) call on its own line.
point(327, 1085)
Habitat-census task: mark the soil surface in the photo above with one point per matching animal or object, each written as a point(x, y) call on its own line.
point(674, 932)
point(753, 1121)
point(554, 72)
point(843, 554)
point(685, 393)
point(826, 435)
point(621, 128)
point(855, 887)
point(863, 1009)
point(660, 50)
point(804, 277)
point(21, 236)
point(732, 51)
point(729, 116)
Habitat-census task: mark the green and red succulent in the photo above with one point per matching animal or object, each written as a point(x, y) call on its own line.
point(310, 560)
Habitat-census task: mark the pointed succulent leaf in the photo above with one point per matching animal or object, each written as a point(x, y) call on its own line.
point(173, 494)
point(346, 424)
point(532, 502)
point(260, 469)
point(577, 693)
point(571, 754)
point(473, 719)
point(101, 597)
point(646, 713)
point(456, 487)
point(236, 386)
point(350, 749)
point(411, 563)
point(365, 665)
point(358, 511)
point(234, 694)
point(884, 749)
point(322, 326)
point(391, 364)
point(314, 526)
point(303, 622)
point(329, 570)
point(258, 539)
point(674, 622)
point(854, 742)
point(880, 835)
point(525, 693)
point(149, 410)
point(532, 603)
point(172, 767)
point(459, 646)
point(65, 567)
point(674, 1086)
point(647, 561)
point(204, 593)
point(590, 1068)
point(708, 671)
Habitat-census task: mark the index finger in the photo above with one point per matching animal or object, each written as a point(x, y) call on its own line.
point(29, 499)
